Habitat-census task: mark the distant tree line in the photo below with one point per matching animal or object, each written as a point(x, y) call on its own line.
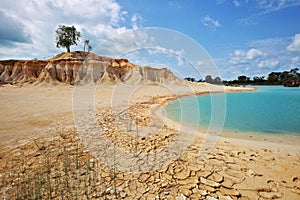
point(273, 78)
point(208, 79)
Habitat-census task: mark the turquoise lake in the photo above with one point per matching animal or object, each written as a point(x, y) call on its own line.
point(269, 110)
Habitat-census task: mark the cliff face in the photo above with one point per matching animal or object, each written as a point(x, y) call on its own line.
point(80, 68)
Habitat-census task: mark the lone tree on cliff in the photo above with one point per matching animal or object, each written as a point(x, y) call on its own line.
point(87, 45)
point(66, 36)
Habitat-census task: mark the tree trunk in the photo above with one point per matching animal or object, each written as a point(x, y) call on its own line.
point(68, 49)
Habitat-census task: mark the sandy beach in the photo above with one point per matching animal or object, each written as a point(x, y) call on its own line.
point(149, 100)
point(49, 148)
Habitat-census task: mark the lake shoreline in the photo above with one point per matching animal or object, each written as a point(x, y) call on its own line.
point(280, 138)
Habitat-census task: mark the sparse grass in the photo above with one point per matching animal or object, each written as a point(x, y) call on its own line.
point(56, 170)
point(58, 167)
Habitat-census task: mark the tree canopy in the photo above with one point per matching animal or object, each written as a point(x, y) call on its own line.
point(66, 36)
point(211, 80)
point(273, 78)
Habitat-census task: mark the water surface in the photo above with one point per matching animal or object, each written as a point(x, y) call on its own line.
point(269, 110)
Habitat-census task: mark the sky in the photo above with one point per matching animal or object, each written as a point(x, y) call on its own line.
point(241, 37)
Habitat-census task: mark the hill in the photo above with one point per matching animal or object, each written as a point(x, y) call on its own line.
point(80, 68)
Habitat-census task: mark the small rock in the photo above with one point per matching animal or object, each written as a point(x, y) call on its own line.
point(186, 192)
point(199, 191)
point(183, 174)
point(157, 180)
point(207, 188)
point(195, 196)
point(209, 182)
point(216, 177)
point(188, 181)
point(181, 197)
point(112, 191)
point(123, 194)
point(164, 183)
point(107, 191)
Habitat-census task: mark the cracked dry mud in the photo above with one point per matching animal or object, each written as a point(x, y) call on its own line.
point(60, 167)
point(58, 164)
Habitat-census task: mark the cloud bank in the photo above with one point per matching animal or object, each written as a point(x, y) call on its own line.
point(27, 28)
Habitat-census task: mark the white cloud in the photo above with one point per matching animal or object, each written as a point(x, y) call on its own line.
point(210, 22)
point(265, 7)
point(242, 57)
point(239, 53)
point(237, 3)
point(251, 59)
point(268, 63)
point(124, 42)
point(237, 57)
point(136, 21)
point(253, 53)
point(269, 54)
point(159, 49)
point(295, 59)
point(261, 57)
point(295, 45)
point(274, 5)
point(178, 54)
point(38, 20)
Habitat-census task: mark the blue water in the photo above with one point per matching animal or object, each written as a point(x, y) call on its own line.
point(270, 109)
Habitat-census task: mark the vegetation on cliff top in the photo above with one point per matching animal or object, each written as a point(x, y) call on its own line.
point(66, 36)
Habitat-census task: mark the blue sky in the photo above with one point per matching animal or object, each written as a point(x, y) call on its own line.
point(246, 37)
